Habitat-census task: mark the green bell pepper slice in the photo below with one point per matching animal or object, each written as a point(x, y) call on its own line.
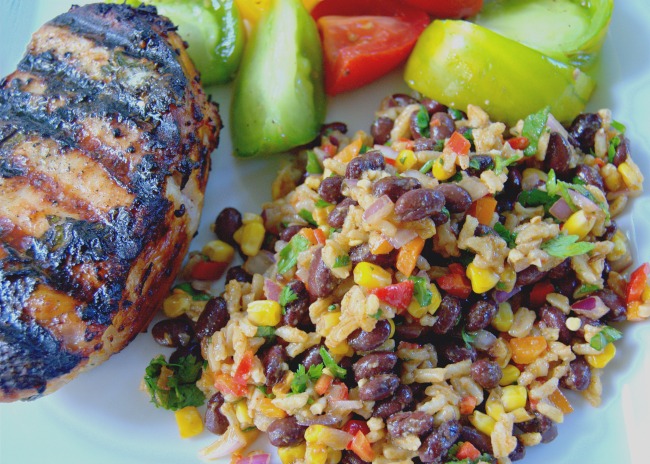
point(459, 63)
point(213, 30)
point(571, 31)
point(278, 100)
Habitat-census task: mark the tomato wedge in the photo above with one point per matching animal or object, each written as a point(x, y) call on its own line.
point(365, 39)
point(448, 8)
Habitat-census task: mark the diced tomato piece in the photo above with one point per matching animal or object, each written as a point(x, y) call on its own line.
point(397, 295)
point(227, 385)
point(243, 371)
point(338, 391)
point(208, 270)
point(467, 451)
point(457, 285)
point(354, 426)
point(361, 447)
point(637, 284)
point(539, 292)
point(519, 143)
point(448, 8)
point(456, 268)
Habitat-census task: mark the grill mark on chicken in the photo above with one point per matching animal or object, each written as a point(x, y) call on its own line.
point(82, 270)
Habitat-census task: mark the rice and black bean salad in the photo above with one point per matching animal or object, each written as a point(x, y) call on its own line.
point(424, 293)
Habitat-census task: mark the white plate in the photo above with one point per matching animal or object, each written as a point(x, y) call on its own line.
point(103, 418)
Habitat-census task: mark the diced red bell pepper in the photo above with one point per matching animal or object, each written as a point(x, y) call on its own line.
point(227, 385)
point(467, 451)
point(458, 144)
point(397, 295)
point(361, 447)
point(243, 371)
point(519, 143)
point(539, 292)
point(638, 281)
point(456, 268)
point(208, 270)
point(467, 405)
point(456, 285)
point(354, 426)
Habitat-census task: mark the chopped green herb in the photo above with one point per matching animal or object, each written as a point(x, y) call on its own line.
point(377, 315)
point(249, 429)
point(469, 135)
point(299, 381)
point(332, 307)
point(440, 144)
point(289, 254)
point(336, 370)
point(456, 177)
point(341, 261)
point(578, 181)
point(313, 163)
point(320, 203)
point(455, 114)
point(585, 289)
point(474, 163)
point(618, 126)
point(500, 163)
point(611, 149)
point(421, 291)
point(466, 257)
point(427, 166)
point(180, 388)
point(263, 389)
point(307, 216)
point(534, 125)
point(422, 121)
point(364, 149)
point(310, 400)
point(536, 197)
point(506, 234)
point(606, 335)
point(565, 246)
point(468, 338)
point(287, 296)
point(502, 286)
point(445, 211)
point(195, 294)
point(265, 331)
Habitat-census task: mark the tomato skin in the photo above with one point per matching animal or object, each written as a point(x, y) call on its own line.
point(365, 39)
point(452, 9)
point(398, 295)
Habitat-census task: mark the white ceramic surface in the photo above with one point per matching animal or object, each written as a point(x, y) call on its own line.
point(103, 418)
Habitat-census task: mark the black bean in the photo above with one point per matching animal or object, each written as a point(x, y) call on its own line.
point(418, 204)
point(327, 129)
point(448, 314)
point(402, 399)
point(440, 218)
point(481, 441)
point(350, 457)
point(483, 162)
point(397, 99)
point(432, 106)
point(214, 317)
point(410, 331)
point(454, 352)
point(549, 434)
point(321, 281)
point(512, 187)
point(530, 275)
point(441, 126)
point(362, 253)
point(583, 130)
point(193, 348)
point(410, 423)
point(173, 332)
point(288, 232)
point(394, 187)
point(311, 357)
point(561, 271)
point(380, 130)
point(622, 152)
point(567, 285)
point(554, 318)
point(286, 432)
point(215, 421)
point(379, 362)
point(296, 312)
point(379, 387)
point(518, 453)
point(330, 189)
point(610, 231)
point(480, 315)
point(590, 175)
point(538, 424)
point(457, 199)
point(239, 274)
point(617, 307)
point(486, 373)
point(273, 361)
point(226, 224)
point(370, 161)
point(436, 446)
point(337, 216)
point(558, 154)
point(360, 340)
point(579, 376)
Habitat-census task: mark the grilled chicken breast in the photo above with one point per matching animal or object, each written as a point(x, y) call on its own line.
point(105, 142)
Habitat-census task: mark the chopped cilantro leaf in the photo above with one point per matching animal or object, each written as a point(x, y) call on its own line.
point(604, 337)
point(265, 331)
point(287, 296)
point(307, 216)
point(364, 149)
point(533, 127)
point(301, 376)
point(536, 197)
point(315, 371)
point(611, 149)
point(336, 370)
point(179, 389)
point(320, 203)
point(341, 261)
point(501, 163)
point(313, 164)
point(468, 134)
point(421, 291)
point(456, 177)
point(377, 315)
point(422, 121)
point(565, 246)
point(289, 254)
point(506, 234)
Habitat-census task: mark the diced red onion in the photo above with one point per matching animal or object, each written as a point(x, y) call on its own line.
point(259, 263)
point(555, 126)
point(272, 290)
point(583, 202)
point(499, 296)
point(325, 419)
point(402, 237)
point(561, 210)
point(381, 208)
point(386, 151)
point(592, 307)
point(255, 459)
point(484, 340)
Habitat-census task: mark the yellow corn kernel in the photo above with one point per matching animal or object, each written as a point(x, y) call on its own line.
point(189, 421)
point(620, 246)
point(503, 319)
point(177, 304)
point(371, 276)
point(392, 328)
point(252, 238)
point(218, 251)
point(494, 408)
point(579, 224)
point(241, 410)
point(513, 397)
point(292, 454)
point(264, 312)
point(314, 433)
point(334, 456)
point(482, 279)
point(342, 349)
point(328, 321)
point(405, 160)
point(508, 279)
point(601, 360)
point(237, 236)
point(316, 453)
point(631, 175)
point(267, 408)
point(439, 172)
point(645, 296)
point(249, 218)
point(482, 422)
point(510, 375)
point(418, 311)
